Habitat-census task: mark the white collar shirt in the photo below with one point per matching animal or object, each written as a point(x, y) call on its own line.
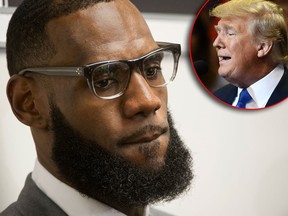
point(262, 90)
point(72, 202)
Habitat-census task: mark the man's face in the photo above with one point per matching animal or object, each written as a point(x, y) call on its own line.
point(236, 50)
point(118, 150)
point(133, 125)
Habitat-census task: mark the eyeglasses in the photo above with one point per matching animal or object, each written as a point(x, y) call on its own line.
point(109, 79)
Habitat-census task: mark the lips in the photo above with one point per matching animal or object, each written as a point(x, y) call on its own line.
point(144, 139)
point(144, 135)
point(223, 58)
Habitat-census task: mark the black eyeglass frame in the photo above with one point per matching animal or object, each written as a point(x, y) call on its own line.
point(87, 70)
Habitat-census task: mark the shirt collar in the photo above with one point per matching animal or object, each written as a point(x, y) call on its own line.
point(262, 90)
point(68, 199)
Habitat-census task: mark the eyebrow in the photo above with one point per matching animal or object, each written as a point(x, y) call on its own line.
point(225, 27)
point(217, 28)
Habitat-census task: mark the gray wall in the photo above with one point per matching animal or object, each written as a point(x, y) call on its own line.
point(160, 6)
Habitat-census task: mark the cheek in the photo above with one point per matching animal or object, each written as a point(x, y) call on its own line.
point(243, 54)
point(97, 123)
point(244, 49)
point(93, 117)
point(102, 121)
point(248, 57)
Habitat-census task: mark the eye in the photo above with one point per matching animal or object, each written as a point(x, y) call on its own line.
point(110, 79)
point(105, 83)
point(152, 71)
point(231, 33)
point(106, 76)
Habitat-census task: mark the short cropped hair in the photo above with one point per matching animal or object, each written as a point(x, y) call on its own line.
point(268, 23)
point(27, 43)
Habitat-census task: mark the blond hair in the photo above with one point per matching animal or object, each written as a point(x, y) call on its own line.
point(268, 22)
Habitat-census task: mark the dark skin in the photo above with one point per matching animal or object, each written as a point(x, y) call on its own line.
point(114, 30)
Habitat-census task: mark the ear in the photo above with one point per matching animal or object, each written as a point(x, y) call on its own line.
point(264, 48)
point(21, 92)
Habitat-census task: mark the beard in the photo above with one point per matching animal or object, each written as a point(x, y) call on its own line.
point(111, 179)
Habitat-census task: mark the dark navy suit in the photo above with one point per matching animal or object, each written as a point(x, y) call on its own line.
point(228, 93)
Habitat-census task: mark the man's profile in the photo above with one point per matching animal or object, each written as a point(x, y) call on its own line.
point(90, 81)
point(252, 48)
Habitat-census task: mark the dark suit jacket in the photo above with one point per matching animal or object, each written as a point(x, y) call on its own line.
point(228, 93)
point(33, 202)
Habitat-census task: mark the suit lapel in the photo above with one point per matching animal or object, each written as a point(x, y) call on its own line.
point(281, 91)
point(33, 202)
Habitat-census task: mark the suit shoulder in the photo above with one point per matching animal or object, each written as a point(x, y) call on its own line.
point(33, 202)
point(227, 93)
point(224, 90)
point(11, 210)
point(280, 93)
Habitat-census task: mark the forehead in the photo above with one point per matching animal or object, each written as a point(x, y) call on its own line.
point(237, 23)
point(113, 30)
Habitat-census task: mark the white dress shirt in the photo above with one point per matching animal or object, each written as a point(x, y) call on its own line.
point(68, 199)
point(262, 90)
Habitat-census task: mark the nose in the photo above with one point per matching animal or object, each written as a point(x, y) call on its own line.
point(140, 99)
point(218, 42)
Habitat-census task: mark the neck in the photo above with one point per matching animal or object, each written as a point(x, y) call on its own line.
point(260, 72)
point(135, 212)
point(130, 210)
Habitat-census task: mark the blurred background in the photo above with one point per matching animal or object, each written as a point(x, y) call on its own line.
point(240, 157)
point(202, 36)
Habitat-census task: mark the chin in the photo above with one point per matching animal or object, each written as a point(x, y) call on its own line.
point(153, 165)
point(147, 156)
point(222, 74)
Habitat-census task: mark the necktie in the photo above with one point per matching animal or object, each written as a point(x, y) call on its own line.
point(244, 98)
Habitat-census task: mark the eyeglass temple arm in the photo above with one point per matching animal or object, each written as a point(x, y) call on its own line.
point(56, 71)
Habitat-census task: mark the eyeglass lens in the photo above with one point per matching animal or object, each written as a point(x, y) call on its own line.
point(112, 78)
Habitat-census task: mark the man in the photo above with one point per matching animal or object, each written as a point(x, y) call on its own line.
point(252, 49)
point(104, 138)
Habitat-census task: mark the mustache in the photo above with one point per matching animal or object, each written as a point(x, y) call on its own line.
point(151, 130)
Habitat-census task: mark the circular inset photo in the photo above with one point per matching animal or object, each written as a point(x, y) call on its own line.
point(239, 51)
